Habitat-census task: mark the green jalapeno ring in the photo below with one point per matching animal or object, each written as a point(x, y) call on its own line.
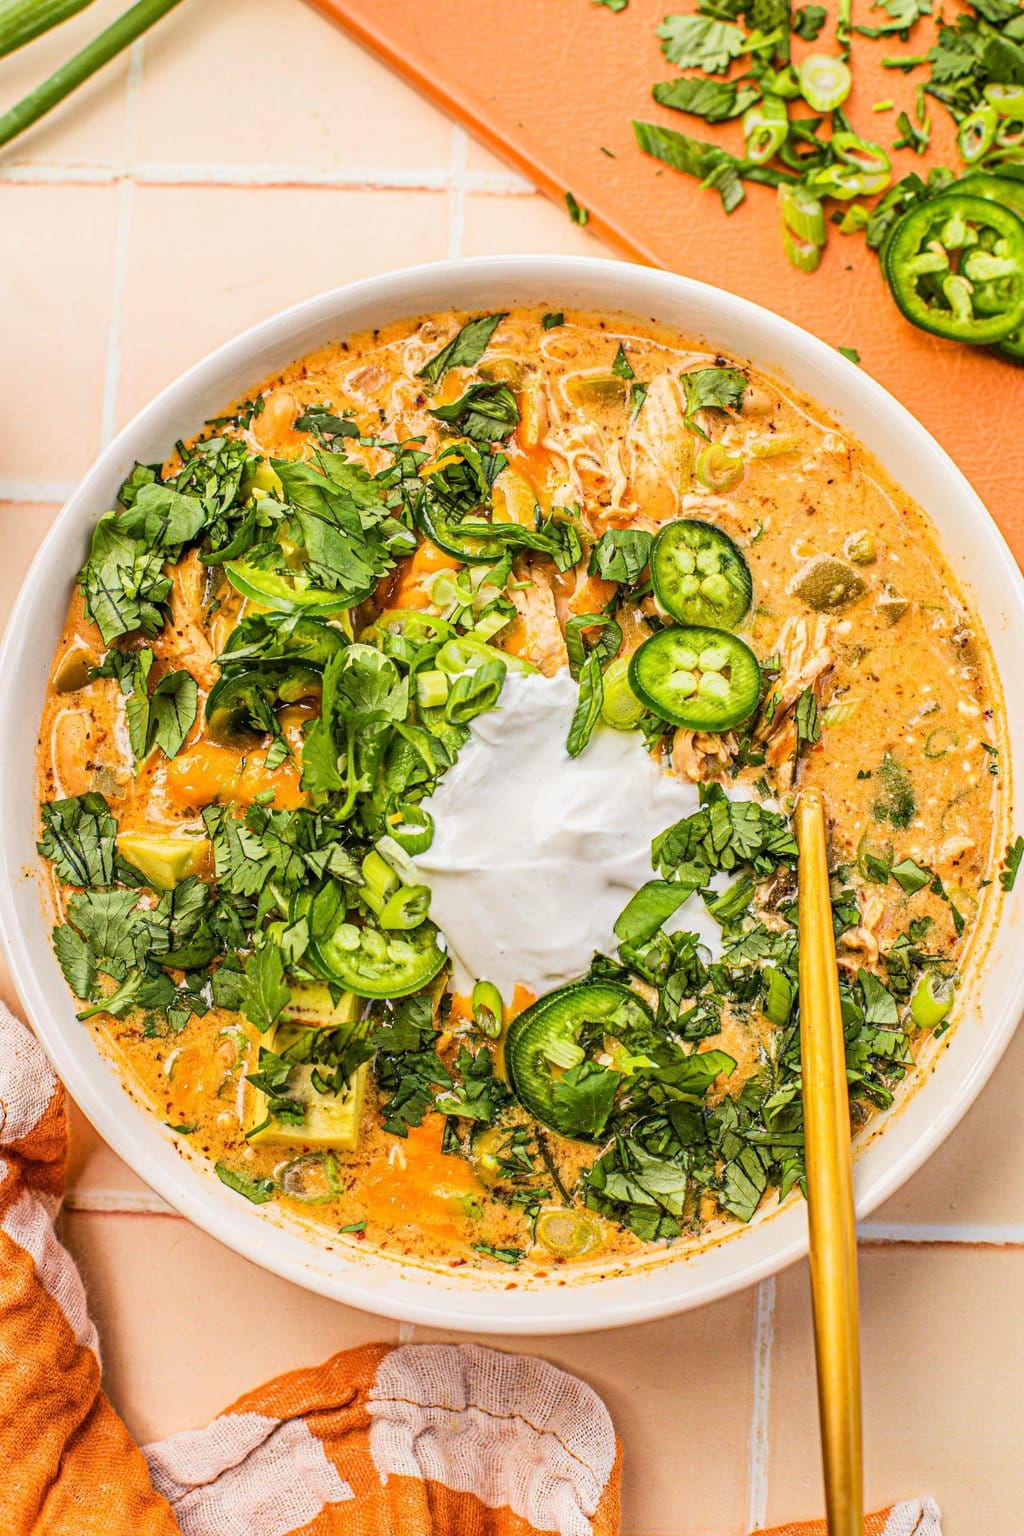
point(699, 575)
point(938, 296)
point(698, 678)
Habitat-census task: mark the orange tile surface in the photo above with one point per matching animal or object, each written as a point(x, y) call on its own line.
point(163, 210)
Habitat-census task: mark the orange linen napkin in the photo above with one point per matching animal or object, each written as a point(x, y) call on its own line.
point(378, 1441)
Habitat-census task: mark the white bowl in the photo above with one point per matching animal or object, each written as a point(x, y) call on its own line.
point(895, 1145)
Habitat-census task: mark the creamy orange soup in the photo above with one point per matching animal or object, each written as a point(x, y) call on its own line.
point(284, 638)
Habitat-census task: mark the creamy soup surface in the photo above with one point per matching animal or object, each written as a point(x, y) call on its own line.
point(332, 762)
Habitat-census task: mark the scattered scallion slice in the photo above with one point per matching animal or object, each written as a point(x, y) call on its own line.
point(118, 36)
point(23, 20)
point(825, 82)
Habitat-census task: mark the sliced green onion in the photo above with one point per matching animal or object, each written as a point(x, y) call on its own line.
point(773, 446)
point(563, 1053)
point(406, 908)
point(22, 20)
point(414, 830)
point(778, 998)
point(431, 688)
point(568, 1234)
point(977, 133)
point(380, 879)
point(490, 625)
point(620, 707)
point(932, 1000)
point(311, 1178)
point(841, 713)
point(800, 253)
point(488, 1009)
point(824, 82)
point(719, 468)
point(118, 36)
point(1008, 100)
point(861, 169)
point(941, 742)
point(765, 126)
point(803, 227)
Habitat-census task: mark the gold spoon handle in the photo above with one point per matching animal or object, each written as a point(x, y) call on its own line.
point(833, 1236)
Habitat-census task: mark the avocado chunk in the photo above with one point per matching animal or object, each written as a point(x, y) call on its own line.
point(163, 858)
point(312, 1005)
point(827, 585)
point(330, 1119)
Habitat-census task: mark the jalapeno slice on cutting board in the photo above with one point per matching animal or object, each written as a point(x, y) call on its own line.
point(373, 961)
point(956, 268)
point(554, 1036)
point(696, 677)
point(700, 575)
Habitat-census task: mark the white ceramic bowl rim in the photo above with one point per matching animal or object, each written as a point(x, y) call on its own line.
point(980, 559)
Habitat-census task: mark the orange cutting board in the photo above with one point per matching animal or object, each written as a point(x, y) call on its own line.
point(551, 85)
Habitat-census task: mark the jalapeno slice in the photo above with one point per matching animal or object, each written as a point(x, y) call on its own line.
point(1008, 192)
point(285, 592)
point(955, 266)
point(553, 1035)
point(699, 678)
point(700, 575)
point(372, 961)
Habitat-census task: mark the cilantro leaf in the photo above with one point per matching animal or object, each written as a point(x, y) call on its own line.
point(911, 877)
point(486, 412)
point(621, 366)
point(621, 554)
point(809, 20)
point(588, 706)
point(258, 1190)
point(1011, 863)
point(341, 518)
point(805, 717)
point(701, 42)
point(712, 389)
point(264, 992)
point(465, 349)
point(714, 100)
point(577, 213)
point(79, 836)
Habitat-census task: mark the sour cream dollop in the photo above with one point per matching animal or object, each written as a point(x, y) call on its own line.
point(536, 853)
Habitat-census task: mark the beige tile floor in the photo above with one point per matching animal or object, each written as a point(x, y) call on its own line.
point(191, 192)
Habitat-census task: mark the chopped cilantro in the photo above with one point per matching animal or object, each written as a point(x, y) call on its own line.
point(258, 1190)
point(577, 214)
point(465, 349)
point(712, 389)
point(1011, 863)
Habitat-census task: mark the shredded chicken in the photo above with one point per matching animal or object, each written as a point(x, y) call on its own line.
point(654, 455)
point(860, 944)
point(535, 604)
point(701, 755)
point(184, 643)
point(807, 658)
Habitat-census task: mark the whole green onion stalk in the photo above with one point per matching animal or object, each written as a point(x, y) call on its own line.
point(22, 20)
point(118, 36)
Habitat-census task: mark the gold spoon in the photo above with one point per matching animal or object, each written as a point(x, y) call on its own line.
point(830, 1218)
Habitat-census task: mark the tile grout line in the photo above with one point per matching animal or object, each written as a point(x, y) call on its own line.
point(117, 1202)
point(41, 491)
point(995, 1235)
point(457, 171)
point(185, 174)
point(757, 1466)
